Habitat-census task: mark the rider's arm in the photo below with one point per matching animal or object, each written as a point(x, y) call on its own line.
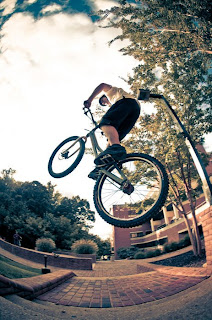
point(101, 87)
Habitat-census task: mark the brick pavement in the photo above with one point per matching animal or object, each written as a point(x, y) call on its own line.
point(121, 283)
point(108, 287)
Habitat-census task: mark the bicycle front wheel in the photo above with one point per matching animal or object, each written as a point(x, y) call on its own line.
point(139, 198)
point(66, 157)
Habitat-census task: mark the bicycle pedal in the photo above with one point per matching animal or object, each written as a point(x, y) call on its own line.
point(107, 159)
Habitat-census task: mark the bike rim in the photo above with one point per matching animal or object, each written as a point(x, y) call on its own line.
point(65, 156)
point(140, 196)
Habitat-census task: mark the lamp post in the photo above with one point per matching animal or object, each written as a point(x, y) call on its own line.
point(45, 269)
point(207, 187)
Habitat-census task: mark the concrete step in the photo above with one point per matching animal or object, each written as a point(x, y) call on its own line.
point(15, 307)
point(193, 303)
point(21, 309)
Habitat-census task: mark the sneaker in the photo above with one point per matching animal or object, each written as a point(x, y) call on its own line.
point(94, 174)
point(116, 151)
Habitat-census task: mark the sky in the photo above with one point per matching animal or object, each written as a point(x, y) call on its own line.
point(50, 64)
point(52, 56)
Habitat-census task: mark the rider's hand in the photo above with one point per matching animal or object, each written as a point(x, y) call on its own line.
point(87, 103)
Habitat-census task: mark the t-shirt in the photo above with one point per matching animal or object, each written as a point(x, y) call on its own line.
point(115, 94)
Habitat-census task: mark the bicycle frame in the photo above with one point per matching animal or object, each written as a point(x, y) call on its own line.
point(91, 134)
point(96, 150)
point(95, 146)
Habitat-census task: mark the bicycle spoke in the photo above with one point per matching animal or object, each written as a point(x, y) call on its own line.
point(140, 193)
point(66, 156)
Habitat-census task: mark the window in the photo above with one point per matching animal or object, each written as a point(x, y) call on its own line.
point(136, 235)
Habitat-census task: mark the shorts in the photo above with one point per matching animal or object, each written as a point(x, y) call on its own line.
point(122, 115)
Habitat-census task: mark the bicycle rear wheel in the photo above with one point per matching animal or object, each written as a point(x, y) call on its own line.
point(137, 199)
point(66, 157)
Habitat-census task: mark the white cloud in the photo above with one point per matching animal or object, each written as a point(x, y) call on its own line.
point(48, 68)
point(58, 51)
point(105, 4)
point(7, 6)
point(30, 1)
point(52, 8)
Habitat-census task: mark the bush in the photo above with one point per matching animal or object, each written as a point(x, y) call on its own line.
point(185, 242)
point(84, 247)
point(140, 255)
point(157, 252)
point(123, 253)
point(127, 252)
point(45, 244)
point(153, 253)
point(148, 254)
point(169, 247)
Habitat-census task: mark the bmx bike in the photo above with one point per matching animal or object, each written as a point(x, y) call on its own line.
point(127, 192)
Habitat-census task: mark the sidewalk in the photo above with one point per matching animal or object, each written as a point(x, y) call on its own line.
point(120, 283)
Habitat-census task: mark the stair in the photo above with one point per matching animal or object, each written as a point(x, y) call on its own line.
point(34, 286)
point(194, 303)
point(15, 307)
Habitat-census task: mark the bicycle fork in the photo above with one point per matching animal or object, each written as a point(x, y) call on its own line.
point(122, 181)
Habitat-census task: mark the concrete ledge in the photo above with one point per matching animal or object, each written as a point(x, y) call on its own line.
point(8, 286)
point(68, 253)
point(63, 261)
point(30, 288)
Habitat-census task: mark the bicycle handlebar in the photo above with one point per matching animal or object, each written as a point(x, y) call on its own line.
point(89, 114)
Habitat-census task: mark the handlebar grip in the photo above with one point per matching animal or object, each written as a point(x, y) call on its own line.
point(145, 94)
point(86, 109)
point(155, 95)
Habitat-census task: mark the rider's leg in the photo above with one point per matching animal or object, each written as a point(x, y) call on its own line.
point(112, 135)
point(122, 117)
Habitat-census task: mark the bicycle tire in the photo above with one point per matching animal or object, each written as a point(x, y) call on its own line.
point(76, 160)
point(145, 216)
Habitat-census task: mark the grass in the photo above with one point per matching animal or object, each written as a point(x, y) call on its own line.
point(13, 270)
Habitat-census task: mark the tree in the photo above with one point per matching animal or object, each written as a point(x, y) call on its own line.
point(155, 134)
point(62, 230)
point(38, 211)
point(36, 196)
point(155, 26)
point(168, 38)
point(75, 209)
point(7, 174)
point(103, 245)
point(171, 41)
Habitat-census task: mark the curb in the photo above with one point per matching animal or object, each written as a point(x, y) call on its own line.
point(30, 288)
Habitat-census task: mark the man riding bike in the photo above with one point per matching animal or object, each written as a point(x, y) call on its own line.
point(117, 122)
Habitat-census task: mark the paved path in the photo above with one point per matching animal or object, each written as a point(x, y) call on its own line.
point(121, 283)
point(118, 292)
